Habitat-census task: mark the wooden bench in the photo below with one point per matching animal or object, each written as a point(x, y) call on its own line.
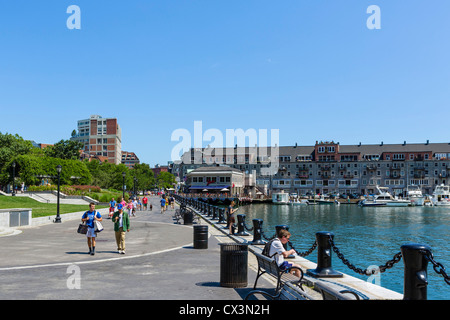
point(288, 291)
point(269, 266)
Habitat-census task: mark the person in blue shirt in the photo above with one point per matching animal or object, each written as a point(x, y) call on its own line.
point(90, 217)
point(163, 204)
point(112, 206)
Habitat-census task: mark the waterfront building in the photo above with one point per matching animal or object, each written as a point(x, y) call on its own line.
point(330, 168)
point(215, 179)
point(101, 137)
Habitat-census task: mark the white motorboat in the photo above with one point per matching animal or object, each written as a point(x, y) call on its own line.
point(441, 196)
point(414, 194)
point(301, 202)
point(280, 198)
point(384, 198)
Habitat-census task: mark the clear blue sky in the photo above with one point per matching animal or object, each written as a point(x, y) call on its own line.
point(311, 69)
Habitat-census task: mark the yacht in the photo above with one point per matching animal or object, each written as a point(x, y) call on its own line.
point(280, 198)
point(441, 196)
point(414, 194)
point(300, 202)
point(384, 198)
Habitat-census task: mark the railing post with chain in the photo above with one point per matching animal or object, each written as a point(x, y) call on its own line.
point(241, 226)
point(324, 268)
point(257, 232)
point(416, 280)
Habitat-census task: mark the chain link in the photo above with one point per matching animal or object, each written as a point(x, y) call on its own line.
point(438, 267)
point(389, 264)
point(305, 253)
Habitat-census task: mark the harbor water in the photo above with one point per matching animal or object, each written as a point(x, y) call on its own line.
point(366, 236)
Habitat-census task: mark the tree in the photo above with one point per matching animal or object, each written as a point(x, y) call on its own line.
point(11, 146)
point(165, 180)
point(65, 149)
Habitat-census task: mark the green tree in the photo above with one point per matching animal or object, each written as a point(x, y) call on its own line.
point(165, 180)
point(11, 146)
point(65, 149)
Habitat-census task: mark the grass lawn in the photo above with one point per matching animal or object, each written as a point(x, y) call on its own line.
point(41, 209)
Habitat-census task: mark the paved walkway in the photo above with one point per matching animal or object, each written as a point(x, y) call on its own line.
point(160, 263)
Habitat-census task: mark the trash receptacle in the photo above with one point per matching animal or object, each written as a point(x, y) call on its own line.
point(188, 217)
point(200, 237)
point(233, 265)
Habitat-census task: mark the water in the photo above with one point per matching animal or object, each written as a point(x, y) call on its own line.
point(365, 236)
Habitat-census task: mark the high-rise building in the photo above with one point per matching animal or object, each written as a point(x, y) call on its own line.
point(101, 137)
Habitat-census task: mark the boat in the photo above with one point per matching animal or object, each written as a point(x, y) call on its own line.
point(384, 198)
point(301, 202)
point(414, 194)
point(441, 196)
point(280, 198)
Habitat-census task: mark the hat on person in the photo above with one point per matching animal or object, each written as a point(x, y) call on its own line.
point(119, 206)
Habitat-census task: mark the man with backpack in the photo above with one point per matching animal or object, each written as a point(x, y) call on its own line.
point(275, 249)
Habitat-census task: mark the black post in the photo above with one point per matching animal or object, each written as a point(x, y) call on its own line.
point(324, 269)
point(257, 232)
point(241, 226)
point(58, 217)
point(415, 281)
point(123, 186)
point(222, 216)
point(13, 178)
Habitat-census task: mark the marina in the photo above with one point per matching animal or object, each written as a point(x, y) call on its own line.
point(368, 235)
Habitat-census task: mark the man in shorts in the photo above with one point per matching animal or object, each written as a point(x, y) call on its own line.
point(278, 251)
point(90, 217)
point(112, 206)
point(163, 205)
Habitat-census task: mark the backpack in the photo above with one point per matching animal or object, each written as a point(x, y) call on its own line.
point(266, 249)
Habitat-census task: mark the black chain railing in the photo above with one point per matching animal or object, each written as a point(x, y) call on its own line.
point(438, 267)
point(389, 264)
point(305, 253)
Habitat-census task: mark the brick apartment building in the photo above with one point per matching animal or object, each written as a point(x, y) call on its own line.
point(101, 137)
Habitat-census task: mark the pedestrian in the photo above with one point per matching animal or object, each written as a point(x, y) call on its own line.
point(277, 249)
point(230, 217)
point(121, 222)
point(172, 202)
point(145, 203)
point(130, 207)
point(90, 217)
point(163, 204)
point(135, 206)
point(112, 206)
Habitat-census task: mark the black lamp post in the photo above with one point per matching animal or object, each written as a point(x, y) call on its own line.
point(58, 217)
point(134, 186)
point(13, 178)
point(123, 186)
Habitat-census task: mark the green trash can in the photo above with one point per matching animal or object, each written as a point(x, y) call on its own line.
point(233, 265)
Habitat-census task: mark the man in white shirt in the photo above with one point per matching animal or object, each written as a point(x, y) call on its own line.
point(279, 253)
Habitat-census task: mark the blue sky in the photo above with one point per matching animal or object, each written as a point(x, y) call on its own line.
point(311, 69)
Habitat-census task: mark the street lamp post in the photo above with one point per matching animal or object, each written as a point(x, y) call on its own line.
point(58, 217)
point(134, 186)
point(123, 186)
point(13, 178)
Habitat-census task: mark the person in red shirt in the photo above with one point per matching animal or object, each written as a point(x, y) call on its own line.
point(145, 201)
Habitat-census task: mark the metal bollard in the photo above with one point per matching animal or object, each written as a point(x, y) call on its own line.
point(415, 275)
point(257, 232)
point(222, 216)
point(241, 226)
point(323, 268)
point(214, 213)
